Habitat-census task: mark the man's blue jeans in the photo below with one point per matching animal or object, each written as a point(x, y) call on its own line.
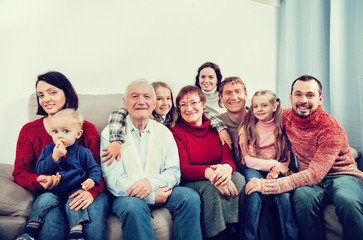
point(346, 192)
point(252, 207)
point(183, 204)
point(56, 226)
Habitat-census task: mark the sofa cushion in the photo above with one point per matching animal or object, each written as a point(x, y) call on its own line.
point(14, 199)
point(330, 223)
point(161, 221)
point(354, 153)
point(95, 108)
point(11, 227)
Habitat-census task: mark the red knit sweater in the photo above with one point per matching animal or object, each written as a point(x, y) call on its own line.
point(199, 147)
point(32, 139)
point(321, 147)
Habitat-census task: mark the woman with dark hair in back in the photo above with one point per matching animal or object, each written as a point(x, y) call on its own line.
point(209, 79)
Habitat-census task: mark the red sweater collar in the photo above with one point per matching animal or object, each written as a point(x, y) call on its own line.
point(312, 121)
point(198, 131)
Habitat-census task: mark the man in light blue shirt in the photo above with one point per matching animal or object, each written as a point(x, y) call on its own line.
point(148, 172)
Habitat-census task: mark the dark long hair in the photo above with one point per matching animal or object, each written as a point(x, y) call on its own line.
point(60, 81)
point(216, 69)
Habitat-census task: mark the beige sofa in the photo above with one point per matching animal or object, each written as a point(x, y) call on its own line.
point(16, 202)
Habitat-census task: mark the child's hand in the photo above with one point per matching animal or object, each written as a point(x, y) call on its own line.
point(225, 138)
point(273, 174)
point(88, 184)
point(112, 151)
point(48, 182)
point(283, 169)
point(59, 151)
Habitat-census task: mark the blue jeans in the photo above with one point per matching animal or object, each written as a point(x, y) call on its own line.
point(48, 200)
point(135, 215)
point(252, 207)
point(55, 225)
point(346, 192)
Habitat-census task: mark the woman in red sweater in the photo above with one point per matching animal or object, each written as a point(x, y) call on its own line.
point(55, 92)
point(206, 165)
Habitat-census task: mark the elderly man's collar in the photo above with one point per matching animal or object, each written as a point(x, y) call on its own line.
point(134, 128)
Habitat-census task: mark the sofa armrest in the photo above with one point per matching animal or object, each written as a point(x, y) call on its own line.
point(357, 157)
point(14, 199)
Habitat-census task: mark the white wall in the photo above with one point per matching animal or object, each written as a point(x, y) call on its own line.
point(102, 45)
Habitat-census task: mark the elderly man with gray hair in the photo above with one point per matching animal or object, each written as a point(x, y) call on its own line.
point(148, 172)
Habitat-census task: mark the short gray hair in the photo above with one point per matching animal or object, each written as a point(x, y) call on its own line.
point(137, 81)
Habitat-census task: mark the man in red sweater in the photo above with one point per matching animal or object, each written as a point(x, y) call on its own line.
point(327, 170)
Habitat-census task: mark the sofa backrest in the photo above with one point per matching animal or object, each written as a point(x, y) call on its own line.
point(95, 108)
